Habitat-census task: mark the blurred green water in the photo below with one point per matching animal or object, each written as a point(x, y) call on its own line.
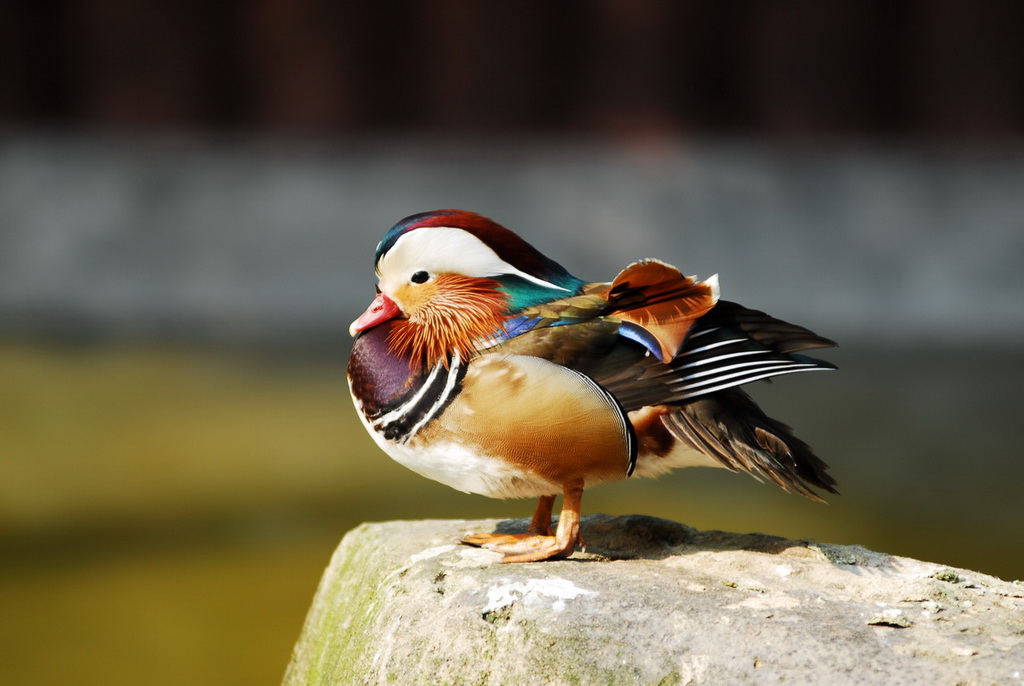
point(165, 512)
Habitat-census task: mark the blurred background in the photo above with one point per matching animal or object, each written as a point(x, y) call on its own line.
point(190, 196)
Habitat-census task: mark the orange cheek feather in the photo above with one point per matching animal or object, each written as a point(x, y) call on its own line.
point(450, 314)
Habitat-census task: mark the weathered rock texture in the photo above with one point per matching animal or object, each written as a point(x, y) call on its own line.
point(651, 602)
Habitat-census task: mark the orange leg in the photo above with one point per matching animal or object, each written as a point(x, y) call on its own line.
point(566, 537)
point(540, 525)
point(538, 544)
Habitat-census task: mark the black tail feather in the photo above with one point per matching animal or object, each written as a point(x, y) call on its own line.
point(780, 336)
point(730, 427)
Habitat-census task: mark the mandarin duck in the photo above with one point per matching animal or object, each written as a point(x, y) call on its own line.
point(487, 366)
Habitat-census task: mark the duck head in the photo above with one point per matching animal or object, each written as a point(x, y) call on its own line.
point(449, 279)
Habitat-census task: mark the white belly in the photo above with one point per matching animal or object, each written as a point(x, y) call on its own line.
point(461, 468)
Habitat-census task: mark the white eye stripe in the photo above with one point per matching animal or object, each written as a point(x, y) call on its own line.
point(446, 250)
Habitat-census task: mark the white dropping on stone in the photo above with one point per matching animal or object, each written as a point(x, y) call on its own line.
point(534, 592)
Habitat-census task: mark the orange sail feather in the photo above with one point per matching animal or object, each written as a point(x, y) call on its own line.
point(657, 297)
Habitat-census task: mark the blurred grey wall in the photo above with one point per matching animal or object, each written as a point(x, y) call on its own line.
point(262, 239)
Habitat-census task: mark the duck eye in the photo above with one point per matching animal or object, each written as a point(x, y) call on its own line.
point(419, 277)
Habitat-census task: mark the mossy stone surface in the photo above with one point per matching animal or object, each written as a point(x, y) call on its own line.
point(649, 602)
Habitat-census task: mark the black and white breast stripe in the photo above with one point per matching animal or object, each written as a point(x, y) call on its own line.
point(718, 358)
point(402, 421)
